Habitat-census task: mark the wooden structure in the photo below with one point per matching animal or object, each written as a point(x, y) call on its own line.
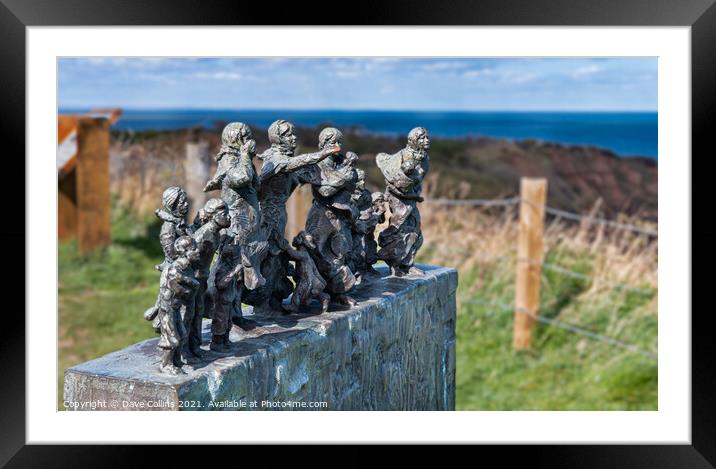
point(529, 259)
point(83, 201)
point(297, 208)
point(197, 165)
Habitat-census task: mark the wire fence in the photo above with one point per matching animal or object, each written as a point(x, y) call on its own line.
point(548, 266)
point(502, 307)
point(551, 210)
point(600, 221)
point(475, 202)
point(589, 278)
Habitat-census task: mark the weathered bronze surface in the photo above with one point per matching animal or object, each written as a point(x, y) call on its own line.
point(404, 172)
point(395, 350)
point(255, 264)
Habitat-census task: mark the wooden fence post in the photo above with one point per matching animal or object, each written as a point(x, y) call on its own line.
point(529, 259)
point(92, 184)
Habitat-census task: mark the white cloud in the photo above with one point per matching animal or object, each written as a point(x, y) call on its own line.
point(444, 66)
point(124, 62)
point(380, 82)
point(515, 77)
point(485, 72)
point(586, 71)
point(347, 73)
point(218, 75)
point(156, 77)
point(519, 78)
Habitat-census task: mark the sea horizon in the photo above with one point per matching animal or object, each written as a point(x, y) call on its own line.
point(626, 133)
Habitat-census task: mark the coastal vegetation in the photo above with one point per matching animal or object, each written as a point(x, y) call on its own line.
point(102, 295)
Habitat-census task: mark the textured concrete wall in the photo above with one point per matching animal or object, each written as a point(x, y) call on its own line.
point(394, 351)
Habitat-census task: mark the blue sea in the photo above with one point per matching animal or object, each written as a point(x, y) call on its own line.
point(624, 133)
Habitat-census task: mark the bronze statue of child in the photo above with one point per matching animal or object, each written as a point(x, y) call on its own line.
point(176, 298)
point(309, 282)
point(175, 206)
point(345, 199)
point(227, 286)
point(369, 219)
point(208, 238)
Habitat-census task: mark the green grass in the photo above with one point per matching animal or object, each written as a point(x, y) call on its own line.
point(103, 296)
point(562, 370)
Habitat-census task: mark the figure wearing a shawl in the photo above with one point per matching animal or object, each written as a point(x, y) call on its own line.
point(332, 215)
point(404, 172)
point(175, 206)
point(279, 177)
point(239, 184)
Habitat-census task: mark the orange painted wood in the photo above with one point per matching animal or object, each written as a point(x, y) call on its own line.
point(65, 125)
point(92, 173)
point(67, 207)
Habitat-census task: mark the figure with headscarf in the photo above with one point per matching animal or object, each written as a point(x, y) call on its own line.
point(281, 173)
point(175, 206)
point(239, 184)
point(404, 173)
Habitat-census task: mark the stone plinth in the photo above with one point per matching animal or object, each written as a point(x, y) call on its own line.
point(394, 351)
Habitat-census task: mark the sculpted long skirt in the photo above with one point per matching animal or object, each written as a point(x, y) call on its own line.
point(173, 332)
point(402, 239)
point(331, 233)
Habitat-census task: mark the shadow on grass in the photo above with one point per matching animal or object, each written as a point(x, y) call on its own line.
point(560, 292)
point(147, 244)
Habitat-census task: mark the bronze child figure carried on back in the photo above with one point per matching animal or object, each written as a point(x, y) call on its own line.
point(309, 282)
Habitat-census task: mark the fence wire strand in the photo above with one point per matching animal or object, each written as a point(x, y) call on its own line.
point(506, 308)
point(560, 270)
point(551, 210)
point(600, 221)
point(501, 307)
point(578, 275)
point(475, 202)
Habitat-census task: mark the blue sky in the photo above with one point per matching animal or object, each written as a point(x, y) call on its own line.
point(568, 84)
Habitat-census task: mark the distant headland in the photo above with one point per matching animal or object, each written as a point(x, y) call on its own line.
point(622, 133)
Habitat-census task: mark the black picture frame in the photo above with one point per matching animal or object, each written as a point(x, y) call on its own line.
point(700, 15)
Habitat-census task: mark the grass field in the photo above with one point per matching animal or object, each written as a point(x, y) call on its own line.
point(103, 296)
point(562, 370)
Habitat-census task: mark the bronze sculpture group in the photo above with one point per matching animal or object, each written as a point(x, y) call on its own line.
point(235, 252)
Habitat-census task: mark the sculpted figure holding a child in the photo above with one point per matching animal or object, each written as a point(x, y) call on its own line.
point(235, 251)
